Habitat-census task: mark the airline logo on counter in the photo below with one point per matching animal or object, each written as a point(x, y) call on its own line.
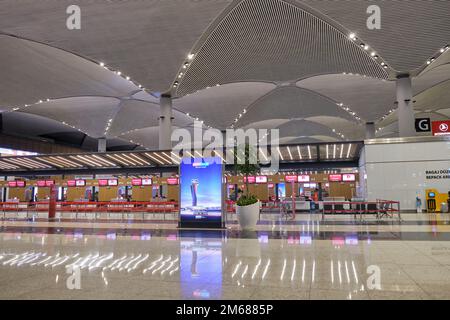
point(441, 128)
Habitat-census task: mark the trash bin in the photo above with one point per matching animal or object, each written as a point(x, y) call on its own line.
point(444, 207)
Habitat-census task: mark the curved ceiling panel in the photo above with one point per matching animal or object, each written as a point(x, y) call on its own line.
point(126, 35)
point(273, 40)
point(36, 71)
point(290, 103)
point(435, 98)
point(218, 106)
point(349, 129)
point(135, 115)
point(411, 31)
point(310, 139)
point(88, 114)
point(24, 124)
point(430, 78)
point(304, 128)
point(370, 98)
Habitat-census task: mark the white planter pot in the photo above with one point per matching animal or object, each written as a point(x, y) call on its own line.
point(248, 216)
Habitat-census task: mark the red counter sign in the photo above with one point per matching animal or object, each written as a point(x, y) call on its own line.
point(71, 183)
point(20, 184)
point(41, 183)
point(335, 177)
point(172, 181)
point(12, 184)
point(136, 182)
point(251, 179)
point(441, 128)
point(49, 183)
point(290, 178)
point(102, 182)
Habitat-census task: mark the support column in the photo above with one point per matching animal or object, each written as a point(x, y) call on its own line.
point(370, 130)
point(165, 122)
point(405, 107)
point(101, 145)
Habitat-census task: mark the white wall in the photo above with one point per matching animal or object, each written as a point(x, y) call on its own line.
point(397, 171)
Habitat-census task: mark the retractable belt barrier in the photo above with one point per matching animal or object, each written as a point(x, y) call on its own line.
point(85, 207)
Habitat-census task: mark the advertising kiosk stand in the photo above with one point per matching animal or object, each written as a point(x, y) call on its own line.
point(201, 193)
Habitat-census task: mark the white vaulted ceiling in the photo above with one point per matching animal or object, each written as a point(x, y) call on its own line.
point(284, 64)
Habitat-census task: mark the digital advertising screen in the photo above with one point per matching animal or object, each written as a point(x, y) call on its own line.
point(112, 182)
point(348, 177)
point(261, 179)
point(201, 193)
point(281, 190)
point(303, 178)
point(146, 182)
point(80, 183)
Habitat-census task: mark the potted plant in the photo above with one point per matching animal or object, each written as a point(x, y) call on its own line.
point(248, 205)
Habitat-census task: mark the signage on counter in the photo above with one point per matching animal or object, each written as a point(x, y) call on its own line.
point(423, 125)
point(70, 183)
point(303, 178)
point(102, 182)
point(112, 182)
point(261, 179)
point(147, 182)
point(251, 179)
point(49, 183)
point(40, 183)
point(80, 183)
point(441, 128)
point(136, 182)
point(290, 178)
point(172, 181)
point(349, 177)
point(437, 174)
point(335, 178)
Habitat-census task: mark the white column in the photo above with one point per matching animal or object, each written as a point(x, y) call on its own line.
point(370, 130)
point(165, 122)
point(405, 107)
point(101, 147)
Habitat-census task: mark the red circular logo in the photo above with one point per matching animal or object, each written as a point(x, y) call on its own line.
point(443, 127)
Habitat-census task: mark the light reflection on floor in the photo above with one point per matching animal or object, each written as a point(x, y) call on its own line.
point(217, 265)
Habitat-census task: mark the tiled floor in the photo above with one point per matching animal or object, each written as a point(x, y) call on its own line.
point(338, 258)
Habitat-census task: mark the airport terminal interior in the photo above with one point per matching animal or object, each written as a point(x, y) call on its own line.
point(225, 149)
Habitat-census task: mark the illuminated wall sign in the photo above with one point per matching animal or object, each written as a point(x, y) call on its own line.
point(49, 183)
point(70, 183)
point(290, 178)
point(112, 182)
point(348, 177)
point(80, 183)
point(102, 182)
point(335, 178)
point(270, 185)
point(303, 178)
point(251, 179)
point(261, 179)
point(174, 181)
point(441, 128)
point(201, 193)
point(41, 183)
point(136, 182)
point(146, 182)
point(21, 184)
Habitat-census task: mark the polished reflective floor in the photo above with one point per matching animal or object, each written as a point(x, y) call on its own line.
point(309, 258)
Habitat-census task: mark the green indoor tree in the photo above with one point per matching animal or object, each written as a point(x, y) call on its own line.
point(245, 159)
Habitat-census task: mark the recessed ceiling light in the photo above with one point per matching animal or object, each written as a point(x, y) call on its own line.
point(102, 64)
point(190, 56)
point(128, 78)
point(352, 36)
point(366, 47)
point(373, 54)
point(119, 73)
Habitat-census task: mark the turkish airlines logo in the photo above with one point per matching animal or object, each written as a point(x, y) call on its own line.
point(441, 128)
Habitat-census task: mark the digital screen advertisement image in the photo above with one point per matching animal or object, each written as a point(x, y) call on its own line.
point(201, 193)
